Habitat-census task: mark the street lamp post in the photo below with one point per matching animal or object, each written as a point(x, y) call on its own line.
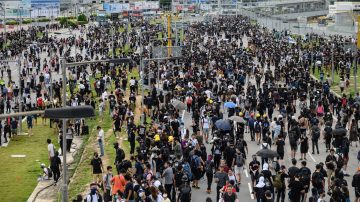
point(64, 66)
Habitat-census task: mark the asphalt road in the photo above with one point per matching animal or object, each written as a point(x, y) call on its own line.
point(244, 194)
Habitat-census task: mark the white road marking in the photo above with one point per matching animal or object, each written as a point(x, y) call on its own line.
point(246, 173)
point(312, 157)
point(250, 190)
point(182, 117)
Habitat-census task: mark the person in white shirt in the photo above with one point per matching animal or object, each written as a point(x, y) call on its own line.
point(51, 149)
point(100, 138)
point(206, 127)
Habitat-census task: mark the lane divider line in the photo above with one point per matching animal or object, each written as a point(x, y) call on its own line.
point(246, 173)
point(311, 156)
point(250, 190)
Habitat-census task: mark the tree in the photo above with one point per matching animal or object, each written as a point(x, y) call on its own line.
point(82, 18)
point(165, 3)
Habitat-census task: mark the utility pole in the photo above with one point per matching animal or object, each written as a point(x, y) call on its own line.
point(332, 64)
point(65, 187)
point(20, 95)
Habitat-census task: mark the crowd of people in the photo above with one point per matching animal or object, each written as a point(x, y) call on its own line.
point(239, 85)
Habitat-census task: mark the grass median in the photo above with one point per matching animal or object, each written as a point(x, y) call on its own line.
point(18, 176)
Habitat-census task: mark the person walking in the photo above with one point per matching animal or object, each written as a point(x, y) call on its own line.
point(100, 138)
point(55, 166)
point(221, 178)
point(315, 135)
point(168, 175)
point(107, 184)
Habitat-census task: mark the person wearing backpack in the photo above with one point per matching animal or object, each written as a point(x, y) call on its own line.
point(257, 129)
point(279, 183)
point(305, 178)
point(94, 195)
point(317, 179)
point(209, 171)
point(328, 135)
point(315, 135)
point(239, 163)
point(107, 184)
point(251, 123)
point(330, 163)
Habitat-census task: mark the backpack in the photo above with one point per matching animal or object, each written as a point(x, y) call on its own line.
point(266, 125)
point(187, 170)
point(185, 192)
point(328, 131)
point(320, 111)
point(193, 163)
point(305, 174)
point(316, 134)
point(189, 101)
point(91, 198)
point(239, 160)
point(277, 181)
point(317, 178)
point(292, 138)
point(267, 183)
point(208, 167)
point(178, 178)
point(257, 127)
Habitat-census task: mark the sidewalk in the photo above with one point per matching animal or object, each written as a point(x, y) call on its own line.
point(46, 191)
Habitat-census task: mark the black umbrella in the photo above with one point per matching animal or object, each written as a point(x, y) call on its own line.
point(267, 153)
point(339, 132)
point(223, 124)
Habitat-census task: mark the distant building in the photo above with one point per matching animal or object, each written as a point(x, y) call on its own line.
point(345, 12)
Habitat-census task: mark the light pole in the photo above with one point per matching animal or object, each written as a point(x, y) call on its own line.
point(64, 66)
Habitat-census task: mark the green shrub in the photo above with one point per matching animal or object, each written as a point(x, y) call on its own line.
point(63, 20)
point(11, 22)
point(72, 24)
point(27, 21)
point(44, 20)
point(82, 17)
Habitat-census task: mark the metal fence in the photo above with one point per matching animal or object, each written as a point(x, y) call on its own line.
point(163, 51)
point(293, 26)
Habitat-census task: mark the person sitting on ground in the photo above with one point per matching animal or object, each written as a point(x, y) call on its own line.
point(46, 172)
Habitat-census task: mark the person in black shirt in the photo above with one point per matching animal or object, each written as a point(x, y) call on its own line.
point(330, 163)
point(55, 165)
point(297, 188)
point(317, 179)
point(254, 166)
point(97, 168)
point(129, 188)
point(356, 184)
point(282, 188)
point(293, 170)
point(305, 178)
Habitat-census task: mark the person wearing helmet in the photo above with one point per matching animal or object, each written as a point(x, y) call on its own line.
point(46, 172)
